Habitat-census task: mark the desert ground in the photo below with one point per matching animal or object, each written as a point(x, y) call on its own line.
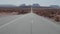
point(52, 13)
point(14, 11)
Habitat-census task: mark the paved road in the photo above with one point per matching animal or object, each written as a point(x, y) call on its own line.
point(7, 19)
point(30, 24)
point(43, 25)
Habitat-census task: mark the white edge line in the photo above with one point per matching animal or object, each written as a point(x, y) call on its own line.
point(12, 21)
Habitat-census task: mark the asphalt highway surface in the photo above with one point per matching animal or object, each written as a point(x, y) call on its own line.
point(27, 24)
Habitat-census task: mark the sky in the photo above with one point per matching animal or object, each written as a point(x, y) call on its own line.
point(30, 2)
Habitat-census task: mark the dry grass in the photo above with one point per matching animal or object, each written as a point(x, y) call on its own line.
point(50, 13)
point(14, 11)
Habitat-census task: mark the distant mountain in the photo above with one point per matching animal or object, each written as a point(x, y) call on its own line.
point(35, 6)
point(25, 6)
point(54, 6)
point(29, 6)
